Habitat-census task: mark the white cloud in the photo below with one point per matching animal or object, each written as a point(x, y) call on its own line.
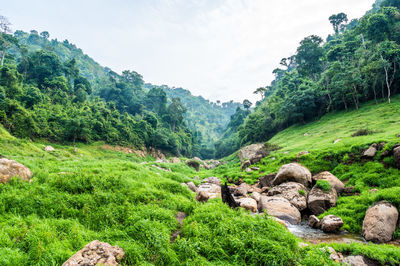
point(218, 49)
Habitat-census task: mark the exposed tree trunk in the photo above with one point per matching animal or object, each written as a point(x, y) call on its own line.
point(374, 90)
point(355, 96)
point(363, 41)
point(382, 91)
point(389, 81)
point(3, 54)
point(345, 103)
point(330, 103)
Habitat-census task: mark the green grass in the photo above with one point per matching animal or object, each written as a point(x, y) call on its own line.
point(94, 193)
point(323, 185)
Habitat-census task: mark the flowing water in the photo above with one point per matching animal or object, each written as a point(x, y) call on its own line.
point(315, 236)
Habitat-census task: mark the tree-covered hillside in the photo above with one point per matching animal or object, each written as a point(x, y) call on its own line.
point(359, 62)
point(206, 119)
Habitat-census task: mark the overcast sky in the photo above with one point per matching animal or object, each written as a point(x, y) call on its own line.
point(220, 49)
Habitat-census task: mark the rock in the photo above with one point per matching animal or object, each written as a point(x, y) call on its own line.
point(314, 222)
point(380, 222)
point(335, 256)
point(285, 152)
point(175, 160)
point(301, 154)
point(212, 180)
point(331, 223)
point(213, 190)
point(192, 186)
point(248, 204)
point(305, 134)
point(202, 196)
point(396, 155)
point(10, 168)
point(336, 141)
point(254, 153)
point(184, 185)
point(371, 151)
point(245, 164)
point(256, 196)
point(280, 208)
point(290, 191)
point(196, 178)
point(266, 181)
point(255, 168)
point(49, 148)
point(333, 180)
point(358, 261)
point(241, 190)
point(273, 158)
point(319, 201)
point(282, 222)
point(293, 172)
point(96, 253)
point(194, 164)
point(248, 170)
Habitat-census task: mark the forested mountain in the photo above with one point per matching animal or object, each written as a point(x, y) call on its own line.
point(357, 63)
point(206, 119)
point(169, 119)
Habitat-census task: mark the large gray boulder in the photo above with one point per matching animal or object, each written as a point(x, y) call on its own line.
point(331, 223)
point(319, 201)
point(314, 222)
point(96, 253)
point(241, 190)
point(380, 222)
point(281, 208)
point(248, 204)
point(10, 168)
point(333, 180)
point(212, 180)
point(295, 193)
point(254, 153)
point(293, 172)
point(358, 260)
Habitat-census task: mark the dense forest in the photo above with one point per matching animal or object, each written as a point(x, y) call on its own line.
point(357, 63)
point(52, 90)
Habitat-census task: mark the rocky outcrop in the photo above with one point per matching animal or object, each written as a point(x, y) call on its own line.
point(10, 168)
point(371, 151)
point(175, 160)
point(194, 164)
point(256, 196)
point(319, 201)
point(212, 180)
point(301, 154)
point(333, 180)
point(380, 222)
point(280, 208)
point(96, 253)
point(396, 155)
point(314, 222)
point(192, 186)
point(331, 223)
point(293, 172)
point(252, 153)
point(248, 204)
point(213, 190)
point(295, 193)
point(358, 260)
point(49, 148)
point(266, 181)
point(241, 190)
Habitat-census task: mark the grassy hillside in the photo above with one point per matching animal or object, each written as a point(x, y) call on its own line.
point(90, 193)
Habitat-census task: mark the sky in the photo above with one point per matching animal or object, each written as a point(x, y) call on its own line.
point(220, 49)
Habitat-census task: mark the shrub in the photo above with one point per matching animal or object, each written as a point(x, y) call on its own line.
point(362, 132)
point(302, 192)
point(324, 185)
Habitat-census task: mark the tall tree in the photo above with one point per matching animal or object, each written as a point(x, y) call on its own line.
point(337, 20)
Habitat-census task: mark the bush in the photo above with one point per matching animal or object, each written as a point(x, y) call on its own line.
point(302, 192)
point(362, 132)
point(324, 185)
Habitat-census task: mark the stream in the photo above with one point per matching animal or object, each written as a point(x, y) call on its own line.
point(316, 236)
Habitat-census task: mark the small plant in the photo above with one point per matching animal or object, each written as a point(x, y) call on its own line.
point(302, 192)
point(268, 147)
point(323, 185)
point(362, 132)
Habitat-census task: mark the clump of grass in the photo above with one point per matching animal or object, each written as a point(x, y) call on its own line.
point(302, 192)
point(362, 132)
point(323, 185)
point(268, 147)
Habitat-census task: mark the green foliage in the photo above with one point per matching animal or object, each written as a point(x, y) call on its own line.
point(362, 132)
point(302, 192)
point(323, 185)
